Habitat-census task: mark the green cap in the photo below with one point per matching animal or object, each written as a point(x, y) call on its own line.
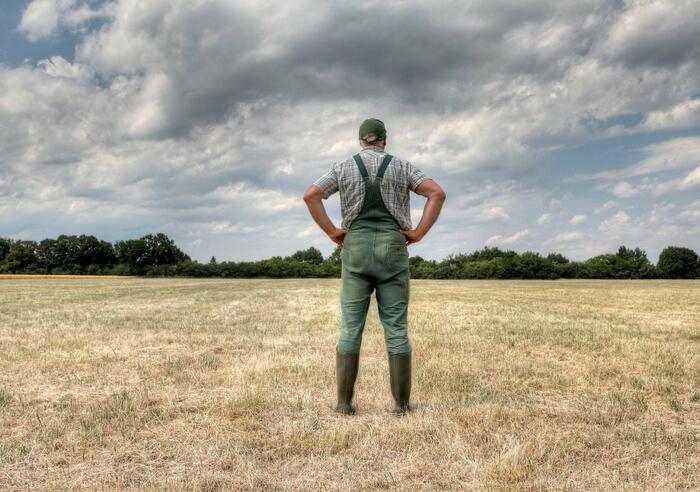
point(375, 126)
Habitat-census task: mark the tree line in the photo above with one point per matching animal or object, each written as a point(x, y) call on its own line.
point(157, 255)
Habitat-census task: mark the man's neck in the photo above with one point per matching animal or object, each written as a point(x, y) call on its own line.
point(377, 148)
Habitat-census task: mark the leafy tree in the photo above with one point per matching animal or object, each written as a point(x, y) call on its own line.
point(331, 266)
point(557, 259)
point(312, 256)
point(531, 265)
point(161, 250)
point(561, 267)
point(131, 252)
point(488, 253)
point(415, 264)
point(149, 251)
point(626, 263)
point(633, 263)
point(421, 268)
point(75, 254)
point(48, 255)
point(334, 257)
point(451, 267)
point(601, 266)
point(678, 262)
point(508, 261)
point(5, 245)
point(91, 251)
point(483, 269)
point(22, 258)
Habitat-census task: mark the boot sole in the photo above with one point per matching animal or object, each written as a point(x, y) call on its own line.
point(343, 411)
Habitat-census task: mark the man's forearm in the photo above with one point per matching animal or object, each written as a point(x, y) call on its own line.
point(431, 212)
point(318, 213)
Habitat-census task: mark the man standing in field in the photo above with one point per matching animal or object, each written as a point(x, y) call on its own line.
point(375, 232)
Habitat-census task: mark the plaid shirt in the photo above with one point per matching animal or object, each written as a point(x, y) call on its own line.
point(400, 177)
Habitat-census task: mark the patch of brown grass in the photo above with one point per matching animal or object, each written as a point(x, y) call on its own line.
point(217, 384)
point(26, 276)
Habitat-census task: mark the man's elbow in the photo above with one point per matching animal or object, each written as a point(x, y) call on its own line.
point(439, 195)
point(311, 195)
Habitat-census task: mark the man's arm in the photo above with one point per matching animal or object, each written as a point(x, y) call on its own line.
point(313, 197)
point(436, 197)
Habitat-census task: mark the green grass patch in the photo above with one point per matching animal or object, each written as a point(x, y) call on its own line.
point(5, 398)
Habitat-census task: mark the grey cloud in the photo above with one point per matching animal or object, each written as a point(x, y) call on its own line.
point(662, 34)
point(216, 56)
point(168, 103)
point(197, 65)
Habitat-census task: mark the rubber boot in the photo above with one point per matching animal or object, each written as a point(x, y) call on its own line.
point(346, 365)
point(400, 378)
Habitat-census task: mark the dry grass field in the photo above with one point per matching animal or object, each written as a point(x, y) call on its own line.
point(223, 384)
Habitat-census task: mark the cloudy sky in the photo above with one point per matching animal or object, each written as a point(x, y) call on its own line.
point(570, 126)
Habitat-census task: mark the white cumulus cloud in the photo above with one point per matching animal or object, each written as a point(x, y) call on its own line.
point(691, 180)
point(545, 218)
point(568, 236)
point(616, 220)
point(506, 240)
point(578, 219)
point(495, 213)
point(606, 206)
point(624, 189)
point(40, 19)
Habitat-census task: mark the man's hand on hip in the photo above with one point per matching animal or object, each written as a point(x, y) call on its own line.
point(412, 236)
point(436, 196)
point(337, 235)
point(313, 197)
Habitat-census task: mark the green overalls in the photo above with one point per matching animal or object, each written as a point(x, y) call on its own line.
point(374, 256)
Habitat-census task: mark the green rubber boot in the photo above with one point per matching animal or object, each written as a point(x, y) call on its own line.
point(400, 378)
point(346, 365)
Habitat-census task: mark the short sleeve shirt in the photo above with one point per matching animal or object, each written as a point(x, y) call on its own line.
point(400, 178)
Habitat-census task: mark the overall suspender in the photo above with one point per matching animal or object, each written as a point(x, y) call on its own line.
point(380, 171)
